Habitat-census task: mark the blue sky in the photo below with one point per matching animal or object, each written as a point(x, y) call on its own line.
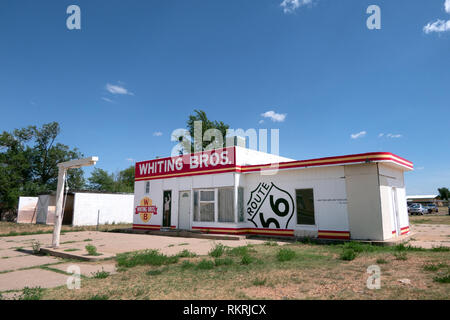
point(137, 69)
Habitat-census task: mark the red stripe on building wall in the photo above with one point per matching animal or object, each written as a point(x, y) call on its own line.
point(404, 230)
point(332, 234)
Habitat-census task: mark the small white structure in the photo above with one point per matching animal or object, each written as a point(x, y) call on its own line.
point(81, 208)
point(241, 191)
point(27, 213)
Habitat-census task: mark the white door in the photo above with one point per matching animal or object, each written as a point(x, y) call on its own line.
point(184, 210)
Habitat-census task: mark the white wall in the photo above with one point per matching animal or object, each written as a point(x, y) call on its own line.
point(117, 208)
point(330, 199)
point(392, 178)
point(157, 187)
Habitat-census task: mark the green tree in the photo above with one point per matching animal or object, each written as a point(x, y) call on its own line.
point(200, 115)
point(28, 164)
point(444, 193)
point(101, 180)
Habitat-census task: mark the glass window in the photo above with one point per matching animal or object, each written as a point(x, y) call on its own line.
point(207, 195)
point(204, 205)
point(226, 205)
point(196, 211)
point(207, 211)
point(305, 206)
point(147, 187)
point(241, 204)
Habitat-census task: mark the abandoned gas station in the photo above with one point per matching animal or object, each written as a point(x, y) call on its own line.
point(236, 190)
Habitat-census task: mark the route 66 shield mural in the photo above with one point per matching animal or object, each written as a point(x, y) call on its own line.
point(270, 207)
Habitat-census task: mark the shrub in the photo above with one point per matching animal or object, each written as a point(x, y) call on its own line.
point(217, 251)
point(348, 255)
point(205, 265)
point(31, 293)
point(36, 246)
point(285, 254)
point(271, 243)
point(223, 261)
point(92, 250)
point(381, 261)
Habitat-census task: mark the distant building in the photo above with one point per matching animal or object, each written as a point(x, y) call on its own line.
point(433, 198)
point(80, 209)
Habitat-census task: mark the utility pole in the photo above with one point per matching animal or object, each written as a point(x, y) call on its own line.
point(62, 171)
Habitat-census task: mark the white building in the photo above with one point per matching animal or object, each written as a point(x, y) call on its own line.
point(241, 191)
point(80, 209)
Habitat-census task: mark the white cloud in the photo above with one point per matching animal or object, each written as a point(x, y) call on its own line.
point(289, 6)
point(116, 89)
point(130, 159)
point(394, 136)
point(107, 100)
point(437, 26)
point(358, 135)
point(261, 121)
point(380, 135)
point(157, 134)
point(275, 117)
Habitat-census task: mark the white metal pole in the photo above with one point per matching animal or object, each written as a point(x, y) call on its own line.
point(59, 203)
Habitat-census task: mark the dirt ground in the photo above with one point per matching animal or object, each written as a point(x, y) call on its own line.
point(316, 271)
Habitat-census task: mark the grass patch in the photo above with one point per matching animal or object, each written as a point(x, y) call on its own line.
point(442, 279)
point(401, 255)
point(434, 267)
point(155, 272)
point(271, 243)
point(240, 251)
point(71, 249)
point(187, 265)
point(31, 293)
point(381, 261)
point(285, 254)
point(247, 259)
point(205, 265)
point(147, 257)
point(100, 274)
point(217, 251)
point(348, 254)
point(259, 282)
point(223, 261)
point(186, 254)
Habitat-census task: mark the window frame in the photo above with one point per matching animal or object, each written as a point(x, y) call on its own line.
point(204, 201)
